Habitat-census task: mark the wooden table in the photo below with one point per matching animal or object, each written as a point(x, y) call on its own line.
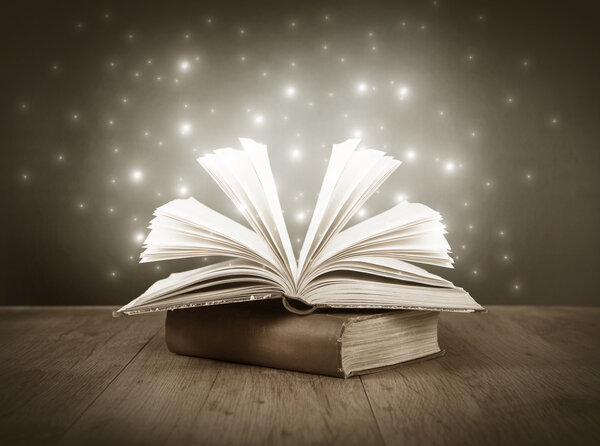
point(75, 375)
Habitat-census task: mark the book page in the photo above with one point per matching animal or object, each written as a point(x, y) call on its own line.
point(186, 228)
point(246, 177)
point(351, 178)
point(408, 231)
point(260, 159)
point(357, 290)
point(234, 280)
point(379, 266)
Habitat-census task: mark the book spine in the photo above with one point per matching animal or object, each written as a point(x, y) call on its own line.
point(284, 341)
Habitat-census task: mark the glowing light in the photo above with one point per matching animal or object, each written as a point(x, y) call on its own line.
point(136, 175)
point(300, 216)
point(402, 92)
point(290, 91)
point(400, 198)
point(139, 237)
point(296, 154)
point(449, 167)
point(259, 119)
point(357, 133)
point(183, 190)
point(184, 66)
point(411, 154)
point(185, 128)
point(362, 212)
point(362, 88)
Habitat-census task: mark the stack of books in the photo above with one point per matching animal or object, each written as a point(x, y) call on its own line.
point(353, 302)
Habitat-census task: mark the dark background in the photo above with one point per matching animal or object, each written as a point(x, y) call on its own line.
point(498, 127)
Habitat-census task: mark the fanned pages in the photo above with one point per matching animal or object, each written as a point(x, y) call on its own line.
point(369, 265)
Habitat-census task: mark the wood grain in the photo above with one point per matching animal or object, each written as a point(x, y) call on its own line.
point(181, 400)
point(514, 375)
point(517, 375)
point(55, 362)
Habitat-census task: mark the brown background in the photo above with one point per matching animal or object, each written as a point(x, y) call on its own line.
point(539, 151)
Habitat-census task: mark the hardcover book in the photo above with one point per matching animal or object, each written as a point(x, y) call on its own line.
point(367, 266)
point(338, 343)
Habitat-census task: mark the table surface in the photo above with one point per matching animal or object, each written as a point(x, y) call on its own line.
point(75, 375)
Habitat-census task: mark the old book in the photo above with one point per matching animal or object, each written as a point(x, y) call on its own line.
point(369, 265)
point(336, 343)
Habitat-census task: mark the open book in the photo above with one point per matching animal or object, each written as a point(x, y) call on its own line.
point(368, 265)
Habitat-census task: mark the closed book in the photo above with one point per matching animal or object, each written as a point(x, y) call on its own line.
point(335, 343)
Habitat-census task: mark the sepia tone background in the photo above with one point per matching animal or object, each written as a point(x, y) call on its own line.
point(493, 108)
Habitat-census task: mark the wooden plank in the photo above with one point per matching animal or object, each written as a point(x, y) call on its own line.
point(54, 362)
point(162, 398)
point(515, 375)
point(508, 377)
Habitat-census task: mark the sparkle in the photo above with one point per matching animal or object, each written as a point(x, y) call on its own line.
point(362, 212)
point(184, 66)
point(185, 128)
point(411, 154)
point(259, 120)
point(290, 91)
point(139, 237)
point(402, 92)
point(300, 216)
point(182, 190)
point(136, 175)
point(449, 167)
point(362, 88)
point(295, 154)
